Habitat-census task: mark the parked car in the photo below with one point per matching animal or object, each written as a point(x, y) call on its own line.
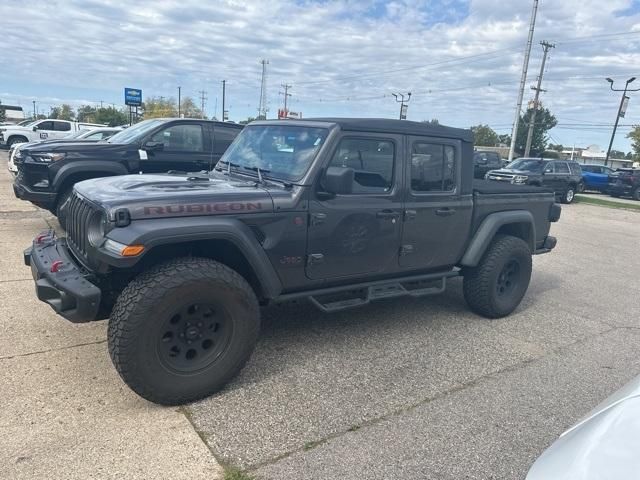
point(41, 130)
point(92, 135)
point(561, 176)
point(604, 444)
point(596, 177)
point(341, 212)
point(47, 172)
point(625, 182)
point(483, 162)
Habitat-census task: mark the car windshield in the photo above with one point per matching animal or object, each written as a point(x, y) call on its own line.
point(135, 132)
point(77, 134)
point(279, 151)
point(527, 165)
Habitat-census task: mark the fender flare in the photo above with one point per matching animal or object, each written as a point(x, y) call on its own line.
point(488, 229)
point(166, 231)
point(83, 167)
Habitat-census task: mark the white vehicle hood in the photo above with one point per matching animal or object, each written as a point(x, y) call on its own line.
point(604, 445)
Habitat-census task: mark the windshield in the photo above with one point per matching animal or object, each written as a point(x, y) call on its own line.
point(526, 165)
point(279, 151)
point(76, 134)
point(135, 132)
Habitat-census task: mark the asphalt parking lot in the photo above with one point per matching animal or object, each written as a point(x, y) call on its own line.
point(399, 389)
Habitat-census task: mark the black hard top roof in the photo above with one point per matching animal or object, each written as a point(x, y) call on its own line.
point(188, 119)
point(386, 125)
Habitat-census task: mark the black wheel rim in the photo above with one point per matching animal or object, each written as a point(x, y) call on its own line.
point(194, 337)
point(508, 278)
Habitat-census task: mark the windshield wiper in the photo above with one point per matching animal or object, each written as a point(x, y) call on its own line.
point(259, 171)
point(229, 165)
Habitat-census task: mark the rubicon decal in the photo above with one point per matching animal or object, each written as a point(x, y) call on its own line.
point(191, 208)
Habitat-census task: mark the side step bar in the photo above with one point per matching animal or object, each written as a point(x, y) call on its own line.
point(340, 298)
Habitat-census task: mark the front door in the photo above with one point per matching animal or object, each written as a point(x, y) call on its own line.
point(46, 130)
point(437, 216)
point(185, 147)
point(359, 233)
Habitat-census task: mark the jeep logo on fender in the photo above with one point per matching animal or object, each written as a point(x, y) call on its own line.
point(196, 208)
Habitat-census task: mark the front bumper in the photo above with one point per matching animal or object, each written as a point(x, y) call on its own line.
point(41, 199)
point(66, 289)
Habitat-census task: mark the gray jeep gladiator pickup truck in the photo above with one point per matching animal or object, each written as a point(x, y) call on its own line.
point(341, 212)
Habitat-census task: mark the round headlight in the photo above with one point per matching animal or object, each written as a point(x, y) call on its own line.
point(97, 229)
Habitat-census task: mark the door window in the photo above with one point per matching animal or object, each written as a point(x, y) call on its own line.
point(181, 138)
point(371, 159)
point(61, 126)
point(45, 126)
point(433, 167)
point(562, 168)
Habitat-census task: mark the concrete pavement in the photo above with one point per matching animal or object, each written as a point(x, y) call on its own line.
point(64, 412)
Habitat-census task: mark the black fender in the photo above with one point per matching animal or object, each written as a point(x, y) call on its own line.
point(85, 168)
point(488, 229)
point(167, 231)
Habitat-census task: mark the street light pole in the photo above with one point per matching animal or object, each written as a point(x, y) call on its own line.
point(615, 126)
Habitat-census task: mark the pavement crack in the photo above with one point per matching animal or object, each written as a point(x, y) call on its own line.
point(9, 357)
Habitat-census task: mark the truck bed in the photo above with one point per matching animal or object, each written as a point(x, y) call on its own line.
point(491, 186)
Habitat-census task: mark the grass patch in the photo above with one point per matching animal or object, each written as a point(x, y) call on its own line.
point(232, 473)
point(607, 203)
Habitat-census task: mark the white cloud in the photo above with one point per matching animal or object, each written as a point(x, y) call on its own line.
point(343, 57)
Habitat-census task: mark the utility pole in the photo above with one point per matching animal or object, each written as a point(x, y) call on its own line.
point(532, 121)
point(203, 97)
point(622, 109)
point(403, 103)
point(179, 89)
point(224, 112)
point(35, 114)
point(286, 94)
point(262, 106)
point(523, 79)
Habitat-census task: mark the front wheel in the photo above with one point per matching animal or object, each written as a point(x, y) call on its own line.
point(13, 140)
point(495, 287)
point(180, 331)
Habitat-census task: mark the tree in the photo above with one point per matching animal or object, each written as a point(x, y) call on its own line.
point(556, 147)
point(483, 135)
point(189, 109)
point(433, 121)
point(86, 113)
point(248, 120)
point(634, 135)
point(545, 121)
point(63, 112)
point(155, 107)
point(616, 154)
point(110, 116)
point(504, 139)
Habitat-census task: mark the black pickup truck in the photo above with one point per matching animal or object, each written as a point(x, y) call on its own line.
point(48, 171)
point(341, 212)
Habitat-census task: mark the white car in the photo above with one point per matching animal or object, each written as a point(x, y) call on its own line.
point(93, 134)
point(47, 129)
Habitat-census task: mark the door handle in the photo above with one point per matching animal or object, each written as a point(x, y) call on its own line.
point(387, 214)
point(445, 212)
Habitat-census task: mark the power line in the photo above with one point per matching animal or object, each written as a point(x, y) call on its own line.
point(538, 88)
point(285, 94)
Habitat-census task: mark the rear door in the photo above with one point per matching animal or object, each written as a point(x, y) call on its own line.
point(60, 129)
point(359, 233)
point(437, 217)
point(185, 147)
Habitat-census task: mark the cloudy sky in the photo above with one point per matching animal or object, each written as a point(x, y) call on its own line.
point(461, 59)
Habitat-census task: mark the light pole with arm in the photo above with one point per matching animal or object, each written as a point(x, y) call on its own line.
point(615, 126)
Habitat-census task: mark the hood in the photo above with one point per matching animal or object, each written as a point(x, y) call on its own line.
point(605, 444)
point(165, 195)
point(75, 146)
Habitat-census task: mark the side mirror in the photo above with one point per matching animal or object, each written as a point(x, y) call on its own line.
point(153, 146)
point(338, 180)
point(35, 128)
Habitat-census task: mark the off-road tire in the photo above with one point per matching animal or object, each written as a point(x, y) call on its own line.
point(148, 304)
point(569, 195)
point(60, 212)
point(481, 283)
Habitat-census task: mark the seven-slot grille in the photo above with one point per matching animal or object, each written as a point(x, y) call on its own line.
point(79, 213)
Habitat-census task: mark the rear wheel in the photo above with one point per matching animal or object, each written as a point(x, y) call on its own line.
point(496, 286)
point(569, 194)
point(182, 330)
